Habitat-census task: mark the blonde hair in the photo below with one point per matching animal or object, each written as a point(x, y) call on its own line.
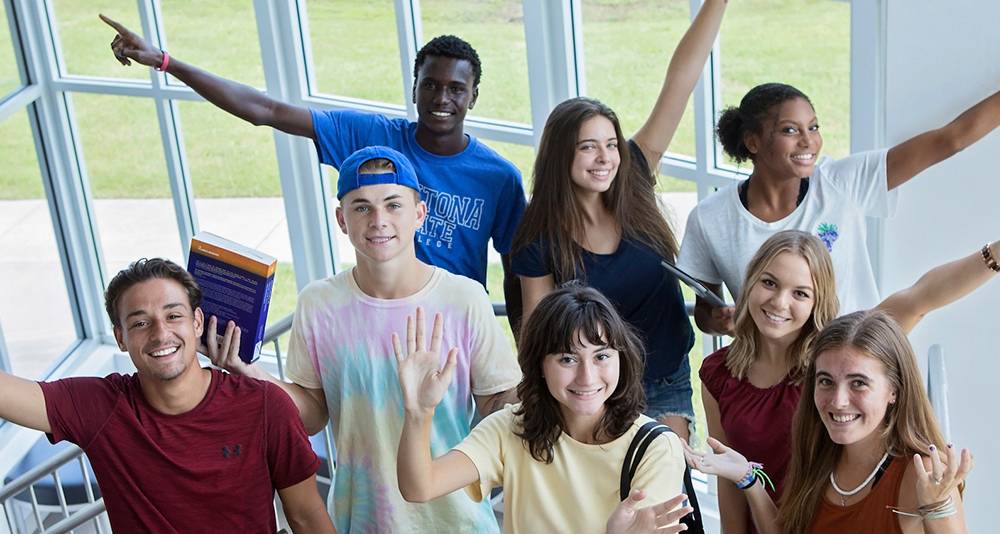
point(743, 350)
point(377, 166)
point(908, 427)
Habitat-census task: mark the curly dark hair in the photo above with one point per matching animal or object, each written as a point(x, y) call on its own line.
point(147, 269)
point(564, 317)
point(449, 46)
point(756, 105)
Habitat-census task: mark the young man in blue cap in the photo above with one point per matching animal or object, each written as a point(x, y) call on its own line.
point(341, 360)
point(471, 192)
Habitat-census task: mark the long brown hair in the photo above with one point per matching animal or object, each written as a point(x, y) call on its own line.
point(743, 350)
point(564, 317)
point(555, 214)
point(909, 424)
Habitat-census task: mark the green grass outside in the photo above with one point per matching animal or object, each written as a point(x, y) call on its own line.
point(627, 44)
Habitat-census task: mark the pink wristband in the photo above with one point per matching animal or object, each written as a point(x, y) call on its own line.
point(166, 61)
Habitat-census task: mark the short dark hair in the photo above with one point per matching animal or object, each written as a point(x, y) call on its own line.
point(147, 269)
point(449, 46)
point(736, 121)
point(564, 317)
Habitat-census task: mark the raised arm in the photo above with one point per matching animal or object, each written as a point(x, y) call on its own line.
point(22, 403)
point(224, 353)
point(911, 157)
point(423, 382)
point(238, 99)
point(685, 67)
point(941, 286)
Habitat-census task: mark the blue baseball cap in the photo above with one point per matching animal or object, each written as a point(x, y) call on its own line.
point(350, 179)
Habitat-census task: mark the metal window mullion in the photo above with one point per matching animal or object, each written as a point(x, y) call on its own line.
point(304, 191)
point(62, 169)
point(410, 33)
point(4, 357)
point(868, 65)
point(171, 137)
point(554, 44)
point(12, 23)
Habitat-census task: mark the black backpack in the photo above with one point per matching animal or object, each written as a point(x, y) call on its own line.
point(646, 434)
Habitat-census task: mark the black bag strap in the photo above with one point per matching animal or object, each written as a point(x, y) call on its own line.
point(640, 442)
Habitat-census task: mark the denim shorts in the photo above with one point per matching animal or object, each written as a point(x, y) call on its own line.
point(671, 395)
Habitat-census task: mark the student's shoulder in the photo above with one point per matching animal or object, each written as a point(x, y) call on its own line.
point(458, 287)
point(717, 202)
point(486, 156)
point(324, 289)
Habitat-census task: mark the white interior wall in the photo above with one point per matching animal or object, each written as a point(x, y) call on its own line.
point(941, 58)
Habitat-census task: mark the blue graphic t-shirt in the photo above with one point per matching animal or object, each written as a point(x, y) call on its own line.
point(471, 196)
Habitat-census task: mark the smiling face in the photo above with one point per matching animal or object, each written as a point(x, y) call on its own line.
point(595, 162)
point(781, 300)
point(581, 381)
point(381, 220)
point(852, 394)
point(159, 329)
point(789, 143)
point(444, 92)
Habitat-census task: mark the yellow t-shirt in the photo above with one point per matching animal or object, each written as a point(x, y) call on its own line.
point(579, 489)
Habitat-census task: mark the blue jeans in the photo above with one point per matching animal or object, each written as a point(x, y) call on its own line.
point(671, 395)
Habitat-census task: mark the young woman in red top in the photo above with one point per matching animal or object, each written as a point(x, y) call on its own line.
point(751, 388)
point(867, 453)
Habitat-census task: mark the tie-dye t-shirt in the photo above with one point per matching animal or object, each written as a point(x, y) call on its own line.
point(341, 342)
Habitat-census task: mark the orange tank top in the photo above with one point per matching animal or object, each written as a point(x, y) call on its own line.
point(869, 514)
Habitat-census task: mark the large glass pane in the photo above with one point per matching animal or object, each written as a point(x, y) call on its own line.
point(235, 48)
point(86, 41)
point(355, 51)
point(128, 179)
point(805, 43)
point(10, 79)
point(627, 46)
point(237, 191)
point(34, 305)
point(495, 29)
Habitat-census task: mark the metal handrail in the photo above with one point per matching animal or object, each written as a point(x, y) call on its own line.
point(39, 472)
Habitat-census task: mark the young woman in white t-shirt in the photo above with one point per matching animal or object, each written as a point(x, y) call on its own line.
point(776, 128)
point(559, 453)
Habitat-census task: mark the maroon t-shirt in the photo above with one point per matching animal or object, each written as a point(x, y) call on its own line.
point(757, 422)
point(214, 468)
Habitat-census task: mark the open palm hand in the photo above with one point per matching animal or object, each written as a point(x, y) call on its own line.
point(421, 376)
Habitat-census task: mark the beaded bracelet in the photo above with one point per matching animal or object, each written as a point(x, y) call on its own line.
point(991, 263)
point(755, 472)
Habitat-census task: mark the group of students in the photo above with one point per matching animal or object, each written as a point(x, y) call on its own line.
point(602, 331)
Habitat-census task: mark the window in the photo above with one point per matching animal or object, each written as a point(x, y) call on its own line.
point(38, 324)
point(811, 52)
point(627, 47)
point(10, 79)
point(128, 180)
point(220, 37)
point(355, 50)
point(85, 41)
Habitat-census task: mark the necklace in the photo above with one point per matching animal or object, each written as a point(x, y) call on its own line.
point(845, 494)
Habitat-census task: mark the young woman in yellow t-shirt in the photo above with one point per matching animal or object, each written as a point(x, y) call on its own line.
point(559, 453)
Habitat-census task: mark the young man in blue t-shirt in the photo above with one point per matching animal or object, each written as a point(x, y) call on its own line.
point(472, 193)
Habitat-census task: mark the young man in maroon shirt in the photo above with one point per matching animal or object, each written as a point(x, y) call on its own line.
point(176, 447)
